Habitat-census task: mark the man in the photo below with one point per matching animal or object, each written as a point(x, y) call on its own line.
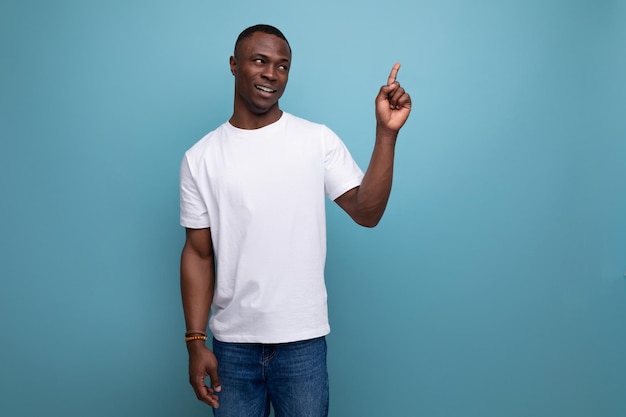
point(252, 203)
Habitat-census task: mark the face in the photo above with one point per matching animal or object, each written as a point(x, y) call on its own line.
point(261, 69)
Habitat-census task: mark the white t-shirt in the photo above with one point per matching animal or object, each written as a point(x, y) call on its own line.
point(262, 194)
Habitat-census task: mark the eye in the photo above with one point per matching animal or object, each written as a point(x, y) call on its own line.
point(283, 67)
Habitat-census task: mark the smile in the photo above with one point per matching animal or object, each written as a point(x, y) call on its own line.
point(265, 89)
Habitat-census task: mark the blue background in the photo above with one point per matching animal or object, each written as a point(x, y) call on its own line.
point(494, 286)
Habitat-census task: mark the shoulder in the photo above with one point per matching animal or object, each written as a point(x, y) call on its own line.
point(199, 149)
point(295, 122)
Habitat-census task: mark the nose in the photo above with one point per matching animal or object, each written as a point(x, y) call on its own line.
point(269, 72)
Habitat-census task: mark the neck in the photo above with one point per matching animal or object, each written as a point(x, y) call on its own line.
point(255, 121)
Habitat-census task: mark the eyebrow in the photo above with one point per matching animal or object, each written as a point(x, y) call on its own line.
point(262, 55)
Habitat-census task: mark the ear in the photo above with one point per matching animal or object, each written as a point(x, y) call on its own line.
point(233, 65)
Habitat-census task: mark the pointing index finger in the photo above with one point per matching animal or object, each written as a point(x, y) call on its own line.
point(393, 74)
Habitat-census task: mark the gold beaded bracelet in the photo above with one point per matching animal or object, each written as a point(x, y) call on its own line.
point(197, 337)
point(194, 332)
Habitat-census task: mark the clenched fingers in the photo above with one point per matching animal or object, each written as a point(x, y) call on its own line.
point(205, 393)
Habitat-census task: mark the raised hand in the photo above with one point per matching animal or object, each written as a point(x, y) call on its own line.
point(393, 104)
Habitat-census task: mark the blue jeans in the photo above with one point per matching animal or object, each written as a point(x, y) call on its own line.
point(293, 377)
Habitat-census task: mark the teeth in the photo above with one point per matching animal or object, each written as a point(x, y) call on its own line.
point(267, 90)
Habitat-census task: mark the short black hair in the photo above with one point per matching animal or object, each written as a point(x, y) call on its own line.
point(271, 30)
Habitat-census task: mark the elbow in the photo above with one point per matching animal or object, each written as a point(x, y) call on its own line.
point(367, 221)
point(368, 225)
point(369, 217)
point(363, 211)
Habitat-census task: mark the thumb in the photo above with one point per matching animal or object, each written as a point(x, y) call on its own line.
point(216, 384)
point(386, 91)
point(383, 94)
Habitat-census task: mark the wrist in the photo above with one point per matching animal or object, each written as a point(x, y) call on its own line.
point(385, 134)
point(195, 339)
point(195, 345)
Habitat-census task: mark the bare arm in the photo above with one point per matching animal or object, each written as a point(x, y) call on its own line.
point(367, 202)
point(197, 282)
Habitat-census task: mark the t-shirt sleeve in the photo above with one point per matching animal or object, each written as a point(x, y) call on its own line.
point(193, 210)
point(341, 172)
